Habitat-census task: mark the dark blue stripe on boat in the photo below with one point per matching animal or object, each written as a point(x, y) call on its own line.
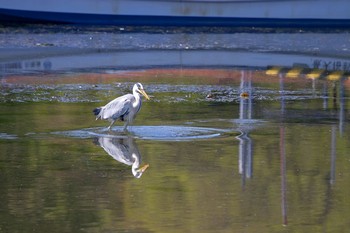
point(7, 15)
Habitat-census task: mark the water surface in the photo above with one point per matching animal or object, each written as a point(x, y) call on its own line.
point(233, 148)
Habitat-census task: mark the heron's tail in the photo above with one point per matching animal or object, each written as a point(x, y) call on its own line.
point(97, 111)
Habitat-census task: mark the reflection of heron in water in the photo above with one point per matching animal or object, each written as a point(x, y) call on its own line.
point(123, 108)
point(125, 151)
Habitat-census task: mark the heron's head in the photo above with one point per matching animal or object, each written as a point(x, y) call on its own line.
point(139, 88)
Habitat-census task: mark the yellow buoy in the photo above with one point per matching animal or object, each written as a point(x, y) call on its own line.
point(315, 74)
point(335, 76)
point(273, 70)
point(294, 73)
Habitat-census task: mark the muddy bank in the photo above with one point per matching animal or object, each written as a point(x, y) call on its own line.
point(55, 48)
point(317, 43)
point(170, 86)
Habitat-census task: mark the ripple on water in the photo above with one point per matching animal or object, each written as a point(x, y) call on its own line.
point(8, 136)
point(162, 133)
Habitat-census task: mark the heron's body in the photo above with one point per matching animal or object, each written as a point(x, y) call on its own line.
point(123, 108)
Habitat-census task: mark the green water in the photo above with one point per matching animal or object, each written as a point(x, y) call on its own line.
point(276, 163)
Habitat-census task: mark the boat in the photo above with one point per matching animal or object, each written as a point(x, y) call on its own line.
point(252, 13)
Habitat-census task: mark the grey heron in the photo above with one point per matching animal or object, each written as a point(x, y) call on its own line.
point(123, 108)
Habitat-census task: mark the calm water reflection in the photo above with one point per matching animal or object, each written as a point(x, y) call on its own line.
point(262, 148)
point(275, 159)
point(125, 151)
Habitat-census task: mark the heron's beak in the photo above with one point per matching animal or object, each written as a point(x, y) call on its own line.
point(143, 168)
point(144, 94)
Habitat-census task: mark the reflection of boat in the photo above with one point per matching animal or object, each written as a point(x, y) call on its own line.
point(125, 151)
point(176, 12)
point(46, 60)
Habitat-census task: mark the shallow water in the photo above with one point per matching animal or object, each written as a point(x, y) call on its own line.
point(273, 162)
point(228, 149)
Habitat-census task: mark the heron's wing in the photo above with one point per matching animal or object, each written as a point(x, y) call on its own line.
point(117, 107)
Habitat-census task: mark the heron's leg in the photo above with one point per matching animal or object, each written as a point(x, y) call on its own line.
point(125, 126)
point(109, 127)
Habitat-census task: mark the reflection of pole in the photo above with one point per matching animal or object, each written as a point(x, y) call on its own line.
point(245, 113)
point(333, 154)
point(283, 158)
point(341, 106)
point(314, 87)
point(245, 156)
point(325, 95)
point(335, 96)
point(283, 176)
point(282, 94)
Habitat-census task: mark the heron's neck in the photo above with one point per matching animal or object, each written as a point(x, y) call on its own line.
point(137, 98)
